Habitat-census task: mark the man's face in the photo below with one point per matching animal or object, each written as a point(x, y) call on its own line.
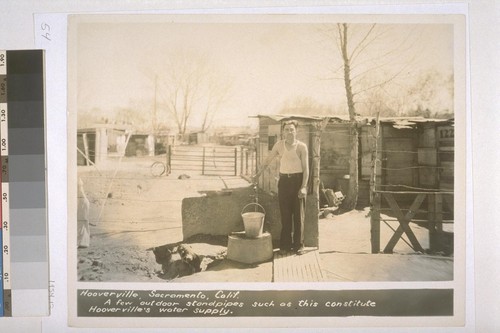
point(289, 132)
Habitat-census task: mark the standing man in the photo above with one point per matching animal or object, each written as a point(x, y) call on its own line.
point(292, 185)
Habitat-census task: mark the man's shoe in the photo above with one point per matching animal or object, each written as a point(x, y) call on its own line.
point(283, 251)
point(300, 250)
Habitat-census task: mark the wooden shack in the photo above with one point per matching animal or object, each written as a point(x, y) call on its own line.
point(417, 153)
point(140, 144)
point(97, 143)
point(410, 154)
point(100, 142)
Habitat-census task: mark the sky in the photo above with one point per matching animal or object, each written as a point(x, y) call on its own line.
point(265, 64)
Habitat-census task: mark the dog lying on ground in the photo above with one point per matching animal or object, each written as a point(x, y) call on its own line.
point(163, 256)
point(190, 257)
point(177, 261)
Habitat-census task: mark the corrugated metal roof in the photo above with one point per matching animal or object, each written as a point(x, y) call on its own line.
point(398, 122)
point(118, 127)
point(409, 122)
point(280, 117)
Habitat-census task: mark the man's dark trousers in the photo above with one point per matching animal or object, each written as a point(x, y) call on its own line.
point(291, 210)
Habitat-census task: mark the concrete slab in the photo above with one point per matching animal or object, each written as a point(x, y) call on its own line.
point(342, 267)
point(291, 267)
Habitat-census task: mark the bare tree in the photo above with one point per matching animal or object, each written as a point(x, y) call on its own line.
point(428, 94)
point(216, 94)
point(431, 93)
point(366, 66)
point(182, 83)
point(347, 58)
point(192, 89)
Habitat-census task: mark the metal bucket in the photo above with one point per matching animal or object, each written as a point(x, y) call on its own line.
point(253, 221)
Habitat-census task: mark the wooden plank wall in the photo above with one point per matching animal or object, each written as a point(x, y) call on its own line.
point(446, 154)
point(399, 157)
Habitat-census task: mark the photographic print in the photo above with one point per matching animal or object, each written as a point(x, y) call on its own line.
point(273, 166)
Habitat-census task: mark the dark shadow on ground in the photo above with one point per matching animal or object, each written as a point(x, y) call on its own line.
point(213, 260)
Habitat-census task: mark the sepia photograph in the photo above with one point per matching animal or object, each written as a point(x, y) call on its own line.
point(266, 149)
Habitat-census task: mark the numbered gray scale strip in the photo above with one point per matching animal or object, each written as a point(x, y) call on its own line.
point(4, 153)
point(28, 249)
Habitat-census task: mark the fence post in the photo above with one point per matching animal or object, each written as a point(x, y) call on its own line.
point(439, 212)
point(435, 221)
point(246, 163)
point(235, 161)
point(169, 159)
point(375, 223)
point(439, 221)
point(203, 163)
point(431, 216)
point(241, 161)
point(253, 159)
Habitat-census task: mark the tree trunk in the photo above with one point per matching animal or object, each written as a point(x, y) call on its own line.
point(351, 199)
point(352, 195)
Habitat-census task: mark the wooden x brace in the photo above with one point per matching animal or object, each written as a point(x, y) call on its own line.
point(404, 221)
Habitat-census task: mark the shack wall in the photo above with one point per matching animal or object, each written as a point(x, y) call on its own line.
point(399, 158)
point(335, 152)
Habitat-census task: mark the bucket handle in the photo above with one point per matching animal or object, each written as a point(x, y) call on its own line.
point(255, 204)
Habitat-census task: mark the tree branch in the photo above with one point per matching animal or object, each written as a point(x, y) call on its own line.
point(353, 53)
point(380, 84)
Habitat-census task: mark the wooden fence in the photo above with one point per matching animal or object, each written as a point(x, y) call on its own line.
point(430, 209)
point(215, 160)
point(221, 161)
point(248, 162)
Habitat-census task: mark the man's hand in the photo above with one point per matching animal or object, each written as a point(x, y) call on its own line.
point(302, 192)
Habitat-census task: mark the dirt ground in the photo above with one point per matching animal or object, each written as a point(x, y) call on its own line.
point(345, 253)
point(132, 211)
